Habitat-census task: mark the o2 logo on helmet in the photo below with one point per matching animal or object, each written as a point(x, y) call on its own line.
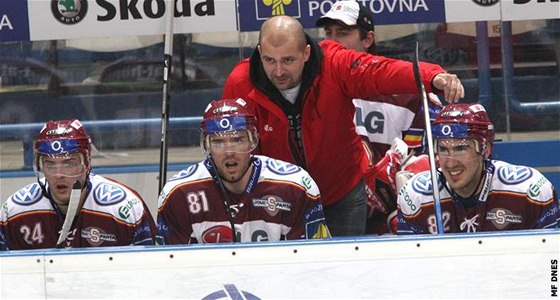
point(514, 174)
point(281, 168)
point(423, 184)
point(55, 147)
point(185, 173)
point(108, 194)
point(28, 195)
point(225, 124)
point(446, 130)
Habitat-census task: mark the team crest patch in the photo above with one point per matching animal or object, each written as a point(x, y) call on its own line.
point(108, 194)
point(96, 236)
point(423, 184)
point(272, 204)
point(501, 217)
point(28, 195)
point(514, 174)
point(185, 172)
point(281, 167)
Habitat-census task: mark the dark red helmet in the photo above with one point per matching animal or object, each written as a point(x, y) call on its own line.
point(228, 115)
point(465, 121)
point(61, 138)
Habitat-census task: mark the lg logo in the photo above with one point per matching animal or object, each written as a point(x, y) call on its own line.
point(373, 122)
point(527, 1)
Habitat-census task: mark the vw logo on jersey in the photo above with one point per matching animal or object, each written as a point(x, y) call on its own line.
point(514, 174)
point(281, 167)
point(185, 172)
point(108, 194)
point(28, 195)
point(423, 184)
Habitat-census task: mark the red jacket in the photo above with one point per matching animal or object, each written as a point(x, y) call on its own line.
point(333, 76)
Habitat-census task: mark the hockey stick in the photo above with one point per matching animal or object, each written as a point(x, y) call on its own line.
point(167, 64)
point(431, 155)
point(75, 195)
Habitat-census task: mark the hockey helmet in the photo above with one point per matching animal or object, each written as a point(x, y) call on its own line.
point(465, 121)
point(231, 118)
point(63, 138)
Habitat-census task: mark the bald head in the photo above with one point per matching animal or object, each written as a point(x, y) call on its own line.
point(279, 30)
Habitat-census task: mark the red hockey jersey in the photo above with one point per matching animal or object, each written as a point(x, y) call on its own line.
point(512, 198)
point(281, 201)
point(112, 215)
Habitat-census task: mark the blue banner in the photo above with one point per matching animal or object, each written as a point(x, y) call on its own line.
point(252, 13)
point(14, 23)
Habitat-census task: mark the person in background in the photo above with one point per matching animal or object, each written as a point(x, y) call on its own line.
point(234, 195)
point(68, 205)
point(301, 93)
point(476, 193)
point(381, 119)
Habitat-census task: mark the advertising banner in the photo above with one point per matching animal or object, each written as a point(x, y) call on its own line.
point(513, 10)
point(14, 25)
point(22, 20)
point(472, 10)
point(253, 12)
point(68, 19)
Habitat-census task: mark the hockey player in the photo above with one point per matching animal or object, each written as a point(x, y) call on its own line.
point(235, 196)
point(381, 119)
point(69, 206)
point(477, 193)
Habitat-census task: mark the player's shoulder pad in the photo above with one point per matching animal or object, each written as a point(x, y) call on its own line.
point(116, 199)
point(416, 192)
point(279, 167)
point(509, 174)
point(422, 183)
point(309, 184)
point(106, 192)
point(523, 179)
point(28, 195)
point(186, 173)
point(280, 170)
point(191, 173)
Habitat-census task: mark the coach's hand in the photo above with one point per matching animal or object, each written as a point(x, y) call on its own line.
point(450, 85)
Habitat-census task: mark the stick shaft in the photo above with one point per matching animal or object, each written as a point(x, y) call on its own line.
point(75, 195)
point(167, 64)
point(431, 155)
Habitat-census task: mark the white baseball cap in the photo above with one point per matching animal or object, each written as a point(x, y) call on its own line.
point(350, 13)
